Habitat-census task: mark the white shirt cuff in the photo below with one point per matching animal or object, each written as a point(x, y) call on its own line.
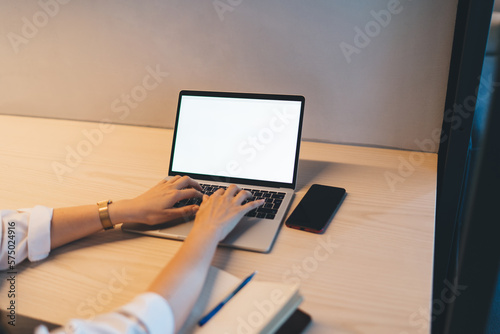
point(153, 311)
point(39, 233)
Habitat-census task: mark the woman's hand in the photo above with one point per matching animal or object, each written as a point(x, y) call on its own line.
point(182, 279)
point(155, 206)
point(221, 212)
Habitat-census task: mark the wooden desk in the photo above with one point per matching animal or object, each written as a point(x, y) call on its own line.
point(370, 272)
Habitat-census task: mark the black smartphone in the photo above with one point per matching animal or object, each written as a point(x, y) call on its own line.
point(317, 208)
point(296, 324)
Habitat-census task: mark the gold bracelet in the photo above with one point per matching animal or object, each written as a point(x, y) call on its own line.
point(104, 214)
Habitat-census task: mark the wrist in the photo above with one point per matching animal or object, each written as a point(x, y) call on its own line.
point(121, 212)
point(207, 230)
point(204, 237)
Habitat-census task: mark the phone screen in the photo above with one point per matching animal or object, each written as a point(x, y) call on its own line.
point(317, 208)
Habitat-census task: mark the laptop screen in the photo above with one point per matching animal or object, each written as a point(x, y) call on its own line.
point(237, 136)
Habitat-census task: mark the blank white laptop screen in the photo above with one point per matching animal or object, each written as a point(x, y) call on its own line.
point(237, 137)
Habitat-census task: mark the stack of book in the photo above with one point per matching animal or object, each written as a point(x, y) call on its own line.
point(259, 307)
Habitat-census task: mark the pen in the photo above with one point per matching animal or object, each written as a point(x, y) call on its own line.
point(216, 309)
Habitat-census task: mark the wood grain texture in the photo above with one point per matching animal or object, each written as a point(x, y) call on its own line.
point(370, 272)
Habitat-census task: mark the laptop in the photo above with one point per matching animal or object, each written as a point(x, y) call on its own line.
point(251, 140)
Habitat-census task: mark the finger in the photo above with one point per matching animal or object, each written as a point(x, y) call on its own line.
point(242, 196)
point(232, 190)
point(185, 182)
point(252, 205)
point(204, 200)
point(185, 212)
point(172, 179)
point(219, 192)
point(187, 193)
point(163, 181)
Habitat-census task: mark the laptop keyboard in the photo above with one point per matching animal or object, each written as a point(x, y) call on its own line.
point(268, 210)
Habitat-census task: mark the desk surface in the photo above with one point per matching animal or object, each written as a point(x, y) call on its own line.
point(370, 272)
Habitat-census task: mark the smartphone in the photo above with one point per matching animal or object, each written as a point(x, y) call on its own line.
point(296, 324)
point(317, 208)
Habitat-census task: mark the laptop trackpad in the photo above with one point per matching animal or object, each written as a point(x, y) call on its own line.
point(181, 228)
point(251, 233)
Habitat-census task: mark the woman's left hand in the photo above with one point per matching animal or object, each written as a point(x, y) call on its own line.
point(155, 206)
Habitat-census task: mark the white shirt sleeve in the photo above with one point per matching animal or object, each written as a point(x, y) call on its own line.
point(25, 233)
point(148, 313)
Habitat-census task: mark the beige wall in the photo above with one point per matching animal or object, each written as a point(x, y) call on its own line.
point(126, 61)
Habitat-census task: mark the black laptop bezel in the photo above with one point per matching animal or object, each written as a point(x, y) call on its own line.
point(216, 178)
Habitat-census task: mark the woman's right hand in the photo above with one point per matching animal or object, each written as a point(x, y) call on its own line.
point(220, 212)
